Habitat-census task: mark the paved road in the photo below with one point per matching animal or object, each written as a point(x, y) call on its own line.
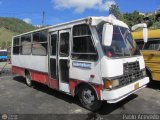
point(17, 98)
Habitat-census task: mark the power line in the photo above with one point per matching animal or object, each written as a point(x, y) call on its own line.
point(43, 19)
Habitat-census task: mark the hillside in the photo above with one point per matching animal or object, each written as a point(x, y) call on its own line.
point(15, 25)
point(10, 27)
point(5, 37)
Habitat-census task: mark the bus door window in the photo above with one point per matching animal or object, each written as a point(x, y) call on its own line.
point(53, 52)
point(64, 52)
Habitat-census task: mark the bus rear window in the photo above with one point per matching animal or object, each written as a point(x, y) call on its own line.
point(16, 46)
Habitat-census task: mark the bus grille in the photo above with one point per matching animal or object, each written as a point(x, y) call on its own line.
point(129, 78)
point(131, 67)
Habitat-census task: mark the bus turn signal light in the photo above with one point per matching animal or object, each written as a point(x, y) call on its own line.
point(109, 84)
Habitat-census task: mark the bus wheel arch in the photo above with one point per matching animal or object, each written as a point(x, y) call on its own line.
point(79, 85)
point(85, 90)
point(28, 78)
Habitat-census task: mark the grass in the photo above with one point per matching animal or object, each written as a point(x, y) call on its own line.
point(6, 35)
point(10, 27)
point(15, 25)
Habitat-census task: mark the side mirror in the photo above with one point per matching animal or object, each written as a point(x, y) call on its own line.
point(145, 30)
point(107, 34)
point(145, 35)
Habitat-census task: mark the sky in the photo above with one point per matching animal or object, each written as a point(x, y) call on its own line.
point(59, 11)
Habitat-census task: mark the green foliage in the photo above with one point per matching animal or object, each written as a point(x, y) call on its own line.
point(129, 18)
point(155, 25)
point(152, 20)
point(114, 10)
point(15, 25)
point(133, 18)
point(10, 27)
point(5, 38)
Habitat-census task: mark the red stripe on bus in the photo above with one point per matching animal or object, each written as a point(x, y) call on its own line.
point(98, 89)
point(54, 84)
point(39, 77)
point(72, 84)
point(18, 70)
point(44, 79)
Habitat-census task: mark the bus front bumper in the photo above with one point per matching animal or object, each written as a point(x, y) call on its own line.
point(114, 96)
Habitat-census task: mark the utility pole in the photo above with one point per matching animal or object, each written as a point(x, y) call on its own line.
point(43, 19)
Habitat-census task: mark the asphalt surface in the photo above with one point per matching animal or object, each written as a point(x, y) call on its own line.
point(16, 98)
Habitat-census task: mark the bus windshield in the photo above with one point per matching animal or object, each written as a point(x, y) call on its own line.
point(122, 43)
point(3, 53)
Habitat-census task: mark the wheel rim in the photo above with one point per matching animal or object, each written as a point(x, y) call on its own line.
point(28, 79)
point(88, 96)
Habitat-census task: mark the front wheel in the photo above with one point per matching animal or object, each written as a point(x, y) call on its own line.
point(88, 98)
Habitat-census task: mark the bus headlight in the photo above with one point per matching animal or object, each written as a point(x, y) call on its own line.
point(109, 84)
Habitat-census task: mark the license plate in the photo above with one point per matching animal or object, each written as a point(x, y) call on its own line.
point(136, 86)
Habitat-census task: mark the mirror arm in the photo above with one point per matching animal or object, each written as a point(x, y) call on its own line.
point(143, 46)
point(141, 25)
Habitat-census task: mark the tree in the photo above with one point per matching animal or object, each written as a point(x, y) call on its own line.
point(3, 45)
point(8, 44)
point(152, 20)
point(133, 18)
point(114, 9)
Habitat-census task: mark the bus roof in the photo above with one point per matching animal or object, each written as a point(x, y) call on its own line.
point(3, 50)
point(90, 20)
point(151, 34)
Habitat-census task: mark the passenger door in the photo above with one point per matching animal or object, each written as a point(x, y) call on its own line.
point(63, 60)
point(53, 60)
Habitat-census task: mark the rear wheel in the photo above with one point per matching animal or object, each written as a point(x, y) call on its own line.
point(28, 79)
point(88, 98)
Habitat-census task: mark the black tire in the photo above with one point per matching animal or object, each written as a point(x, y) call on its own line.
point(28, 79)
point(88, 98)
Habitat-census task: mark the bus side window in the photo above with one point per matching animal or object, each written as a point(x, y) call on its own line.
point(26, 44)
point(152, 44)
point(39, 46)
point(16, 46)
point(83, 47)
